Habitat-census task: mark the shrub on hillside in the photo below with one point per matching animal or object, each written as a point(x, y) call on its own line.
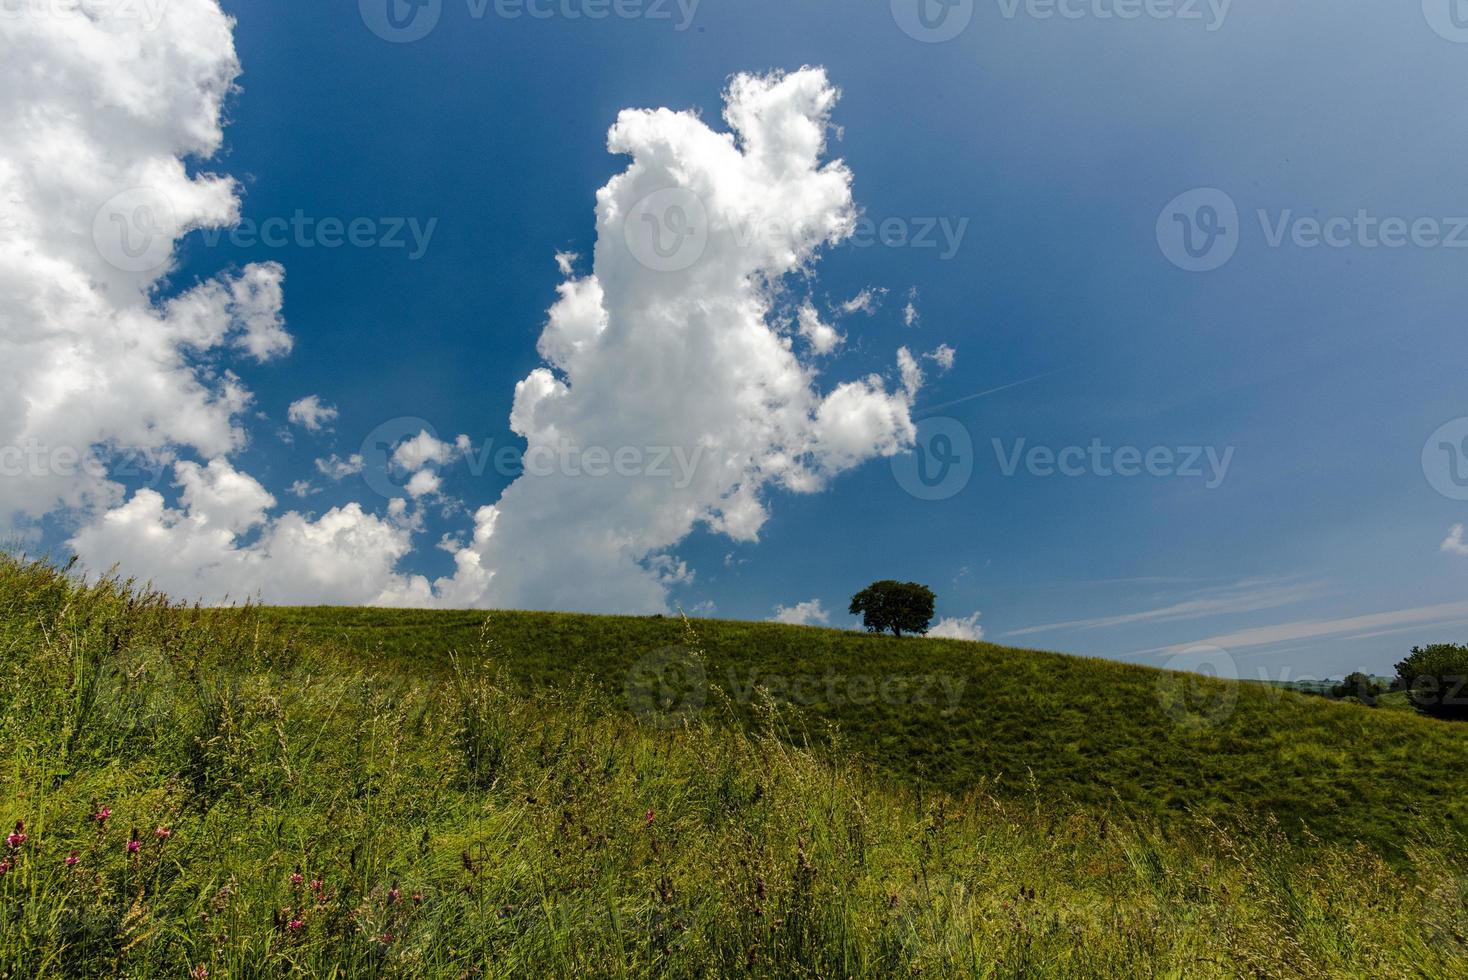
point(1436, 676)
point(1359, 687)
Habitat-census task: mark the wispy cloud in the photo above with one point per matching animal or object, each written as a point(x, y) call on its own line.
point(1249, 595)
point(1313, 629)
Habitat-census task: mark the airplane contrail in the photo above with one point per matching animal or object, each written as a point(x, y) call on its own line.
point(992, 391)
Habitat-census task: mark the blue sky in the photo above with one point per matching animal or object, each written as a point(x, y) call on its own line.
point(1038, 156)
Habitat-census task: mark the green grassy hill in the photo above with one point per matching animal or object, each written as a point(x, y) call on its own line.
point(197, 792)
point(958, 716)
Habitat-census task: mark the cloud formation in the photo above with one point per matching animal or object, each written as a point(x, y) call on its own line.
point(672, 395)
point(959, 628)
point(97, 116)
point(103, 117)
point(808, 613)
point(649, 354)
point(310, 413)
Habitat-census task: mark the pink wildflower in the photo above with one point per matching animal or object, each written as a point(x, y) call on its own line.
point(295, 925)
point(163, 833)
point(651, 816)
point(297, 878)
point(103, 814)
point(72, 859)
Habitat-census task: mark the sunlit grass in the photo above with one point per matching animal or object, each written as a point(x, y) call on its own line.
point(302, 809)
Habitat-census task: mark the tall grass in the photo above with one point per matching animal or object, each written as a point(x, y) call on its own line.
point(197, 793)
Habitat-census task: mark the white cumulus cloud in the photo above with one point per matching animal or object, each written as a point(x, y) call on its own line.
point(958, 628)
point(808, 613)
point(645, 357)
point(98, 114)
point(673, 390)
point(311, 414)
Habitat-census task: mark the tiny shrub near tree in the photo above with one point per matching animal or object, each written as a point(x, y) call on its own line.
point(1362, 687)
point(896, 606)
point(1436, 676)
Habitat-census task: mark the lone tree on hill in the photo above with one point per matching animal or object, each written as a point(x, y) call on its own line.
point(895, 606)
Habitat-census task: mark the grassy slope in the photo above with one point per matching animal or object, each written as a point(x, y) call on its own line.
point(1092, 731)
point(444, 825)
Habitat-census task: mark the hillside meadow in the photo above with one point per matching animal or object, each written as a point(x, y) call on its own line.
point(955, 716)
point(229, 794)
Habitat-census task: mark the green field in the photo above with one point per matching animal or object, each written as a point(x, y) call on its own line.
point(359, 793)
point(960, 716)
